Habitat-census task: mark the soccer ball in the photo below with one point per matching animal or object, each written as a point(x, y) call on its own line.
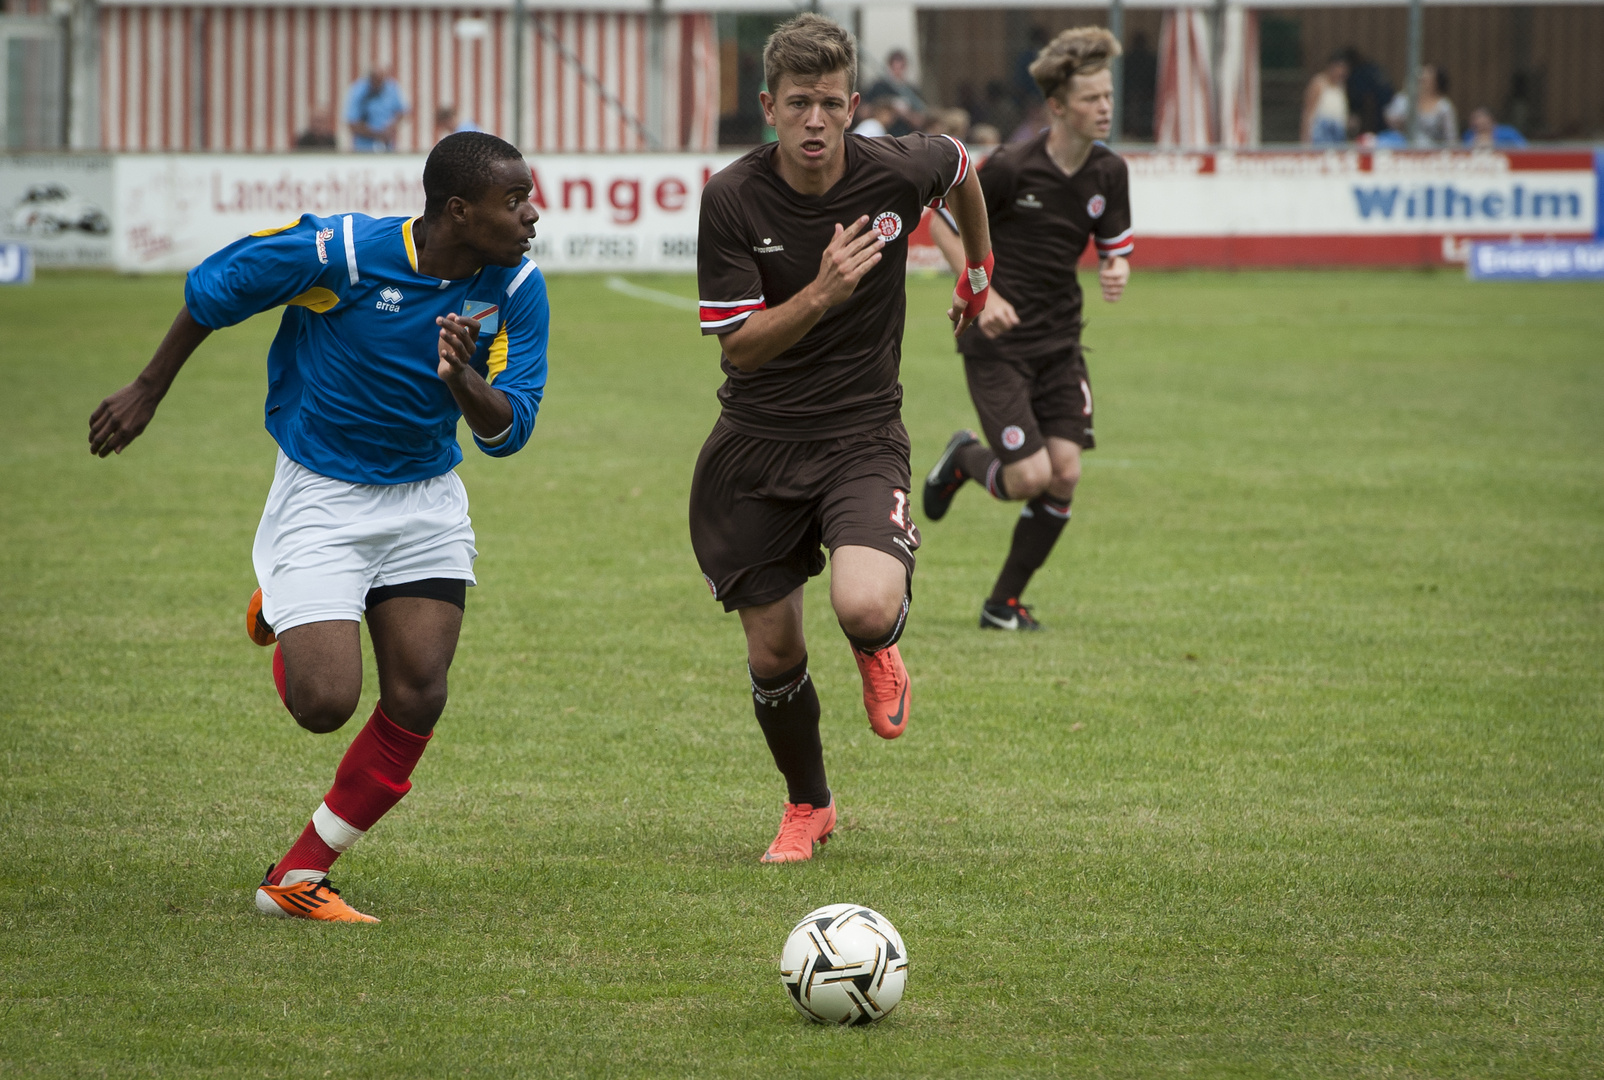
point(844, 964)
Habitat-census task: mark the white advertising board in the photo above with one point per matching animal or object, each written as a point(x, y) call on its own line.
point(1351, 193)
point(598, 212)
point(59, 205)
point(639, 211)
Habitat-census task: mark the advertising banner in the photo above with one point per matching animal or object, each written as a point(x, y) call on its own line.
point(617, 212)
point(1291, 208)
point(59, 206)
point(1536, 262)
point(598, 211)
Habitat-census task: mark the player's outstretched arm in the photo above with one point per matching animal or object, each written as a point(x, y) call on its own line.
point(768, 333)
point(486, 409)
point(968, 203)
point(123, 417)
point(1112, 274)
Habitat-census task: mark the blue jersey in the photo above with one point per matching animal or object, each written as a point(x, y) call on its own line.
point(352, 384)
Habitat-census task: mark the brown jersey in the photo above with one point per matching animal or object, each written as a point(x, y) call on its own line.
point(1040, 220)
point(761, 242)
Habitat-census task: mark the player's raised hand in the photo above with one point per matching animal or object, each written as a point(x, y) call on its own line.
point(851, 254)
point(458, 337)
point(1112, 275)
point(121, 418)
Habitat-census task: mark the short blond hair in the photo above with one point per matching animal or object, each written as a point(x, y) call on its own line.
point(810, 44)
point(1085, 50)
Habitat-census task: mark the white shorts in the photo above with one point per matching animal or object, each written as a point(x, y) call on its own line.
point(323, 543)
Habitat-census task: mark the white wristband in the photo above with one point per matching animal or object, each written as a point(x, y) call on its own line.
point(497, 440)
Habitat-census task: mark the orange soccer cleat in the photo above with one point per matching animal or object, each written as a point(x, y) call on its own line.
point(255, 625)
point(799, 828)
point(306, 900)
point(885, 690)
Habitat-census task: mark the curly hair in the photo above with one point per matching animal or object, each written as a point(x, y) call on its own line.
point(1085, 50)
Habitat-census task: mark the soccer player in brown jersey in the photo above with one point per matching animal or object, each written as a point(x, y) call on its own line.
point(801, 263)
point(1023, 360)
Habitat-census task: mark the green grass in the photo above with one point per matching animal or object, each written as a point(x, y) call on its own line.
point(1305, 778)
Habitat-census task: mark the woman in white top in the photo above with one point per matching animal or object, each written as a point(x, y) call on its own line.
point(1325, 104)
point(1439, 124)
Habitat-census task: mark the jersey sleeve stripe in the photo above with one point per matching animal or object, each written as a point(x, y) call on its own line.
point(717, 314)
point(963, 171)
point(1115, 241)
point(523, 275)
point(350, 249)
point(1109, 253)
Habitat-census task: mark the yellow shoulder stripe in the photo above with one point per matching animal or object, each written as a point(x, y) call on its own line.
point(281, 228)
point(317, 298)
point(496, 362)
point(406, 238)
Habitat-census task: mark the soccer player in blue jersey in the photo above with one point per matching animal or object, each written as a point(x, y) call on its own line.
point(394, 328)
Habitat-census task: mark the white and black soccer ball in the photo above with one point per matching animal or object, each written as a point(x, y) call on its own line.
point(844, 964)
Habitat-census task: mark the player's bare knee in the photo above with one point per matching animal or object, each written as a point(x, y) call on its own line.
point(869, 617)
point(1028, 479)
point(320, 710)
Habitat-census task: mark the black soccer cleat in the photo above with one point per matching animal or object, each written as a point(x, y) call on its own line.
point(945, 477)
point(1011, 615)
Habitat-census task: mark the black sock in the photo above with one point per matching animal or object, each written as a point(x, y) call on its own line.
point(1035, 533)
point(787, 708)
point(978, 463)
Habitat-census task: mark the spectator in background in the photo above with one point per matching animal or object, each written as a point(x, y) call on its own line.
point(373, 109)
point(1486, 133)
point(1033, 124)
point(881, 115)
point(905, 97)
point(984, 138)
point(1325, 104)
point(1368, 93)
point(319, 133)
point(1439, 125)
point(446, 123)
point(954, 122)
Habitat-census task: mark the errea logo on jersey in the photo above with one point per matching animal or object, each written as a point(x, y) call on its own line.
point(389, 299)
point(1028, 201)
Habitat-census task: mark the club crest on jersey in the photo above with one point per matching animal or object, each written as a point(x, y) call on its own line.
point(1013, 437)
point(389, 299)
point(1095, 206)
point(323, 238)
point(888, 225)
point(486, 311)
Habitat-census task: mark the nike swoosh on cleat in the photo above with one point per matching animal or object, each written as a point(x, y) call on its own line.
point(1011, 624)
point(895, 718)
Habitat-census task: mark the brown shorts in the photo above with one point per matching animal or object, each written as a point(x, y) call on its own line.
point(762, 508)
point(1022, 401)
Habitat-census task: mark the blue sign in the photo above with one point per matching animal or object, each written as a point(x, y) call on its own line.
point(16, 264)
point(1577, 261)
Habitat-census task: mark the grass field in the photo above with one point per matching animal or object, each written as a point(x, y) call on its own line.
point(1306, 777)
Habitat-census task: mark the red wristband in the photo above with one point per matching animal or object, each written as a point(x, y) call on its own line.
point(974, 285)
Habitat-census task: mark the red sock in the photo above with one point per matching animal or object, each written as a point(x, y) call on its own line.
point(278, 674)
point(372, 778)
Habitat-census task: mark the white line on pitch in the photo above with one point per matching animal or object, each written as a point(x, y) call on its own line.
point(656, 296)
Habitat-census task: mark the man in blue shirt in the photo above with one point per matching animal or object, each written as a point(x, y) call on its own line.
point(393, 329)
point(373, 108)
